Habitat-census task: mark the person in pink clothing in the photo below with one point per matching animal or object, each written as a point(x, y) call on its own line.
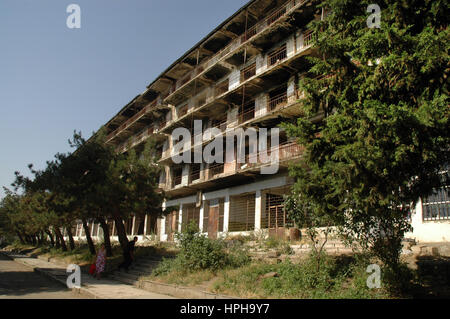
point(100, 261)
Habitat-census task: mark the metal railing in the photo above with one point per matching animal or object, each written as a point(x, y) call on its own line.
point(251, 32)
point(221, 88)
point(248, 72)
point(131, 121)
point(247, 112)
point(195, 175)
point(277, 55)
point(177, 180)
point(277, 101)
point(285, 151)
point(216, 169)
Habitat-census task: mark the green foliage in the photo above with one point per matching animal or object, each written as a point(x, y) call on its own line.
point(337, 277)
point(200, 252)
point(383, 137)
point(282, 246)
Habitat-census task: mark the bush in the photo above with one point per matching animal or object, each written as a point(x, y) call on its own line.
point(199, 252)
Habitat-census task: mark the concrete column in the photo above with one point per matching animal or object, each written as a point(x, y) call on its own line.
point(226, 213)
point(92, 229)
point(258, 207)
point(163, 223)
point(180, 217)
point(113, 228)
point(145, 224)
point(200, 224)
point(133, 226)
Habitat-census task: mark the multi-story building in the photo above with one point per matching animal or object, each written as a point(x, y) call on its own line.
point(242, 75)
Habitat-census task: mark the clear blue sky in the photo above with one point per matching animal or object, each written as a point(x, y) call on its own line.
point(54, 80)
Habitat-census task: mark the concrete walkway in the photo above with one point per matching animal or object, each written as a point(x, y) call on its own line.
point(90, 287)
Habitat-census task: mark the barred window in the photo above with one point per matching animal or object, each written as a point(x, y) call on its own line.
point(437, 205)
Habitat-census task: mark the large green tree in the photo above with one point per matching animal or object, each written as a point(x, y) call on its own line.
point(383, 137)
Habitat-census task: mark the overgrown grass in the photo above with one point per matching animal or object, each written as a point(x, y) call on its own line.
point(337, 277)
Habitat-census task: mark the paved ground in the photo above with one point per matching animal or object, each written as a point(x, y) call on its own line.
point(20, 281)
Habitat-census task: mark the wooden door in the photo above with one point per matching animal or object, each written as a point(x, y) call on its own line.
point(213, 221)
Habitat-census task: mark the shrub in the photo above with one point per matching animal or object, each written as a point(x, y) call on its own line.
point(200, 252)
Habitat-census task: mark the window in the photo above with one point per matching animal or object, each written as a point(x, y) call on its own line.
point(437, 205)
point(242, 213)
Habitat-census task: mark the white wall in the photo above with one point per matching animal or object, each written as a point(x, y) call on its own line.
point(428, 231)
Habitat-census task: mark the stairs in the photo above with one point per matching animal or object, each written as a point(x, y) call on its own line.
point(142, 266)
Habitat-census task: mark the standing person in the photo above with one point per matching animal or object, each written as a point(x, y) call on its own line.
point(100, 261)
point(128, 254)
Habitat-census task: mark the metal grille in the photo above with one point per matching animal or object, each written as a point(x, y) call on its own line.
point(437, 205)
point(190, 213)
point(274, 215)
point(242, 213)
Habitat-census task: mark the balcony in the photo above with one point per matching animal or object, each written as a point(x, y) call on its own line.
point(247, 112)
point(216, 169)
point(127, 124)
point(277, 56)
point(286, 151)
point(277, 101)
point(248, 72)
point(135, 140)
point(256, 29)
point(177, 180)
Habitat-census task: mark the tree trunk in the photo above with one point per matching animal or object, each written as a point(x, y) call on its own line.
point(57, 241)
point(39, 240)
point(121, 232)
point(22, 241)
point(71, 241)
point(106, 235)
point(61, 238)
point(49, 233)
point(88, 237)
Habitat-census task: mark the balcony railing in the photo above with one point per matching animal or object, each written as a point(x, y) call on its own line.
point(247, 112)
point(248, 72)
point(277, 56)
point(138, 138)
point(177, 180)
point(131, 120)
point(216, 169)
point(277, 101)
point(251, 32)
point(221, 88)
point(287, 150)
point(195, 175)
point(308, 38)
